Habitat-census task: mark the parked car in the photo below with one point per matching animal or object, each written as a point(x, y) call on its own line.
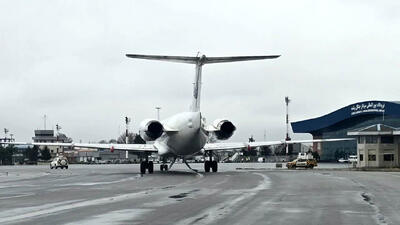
point(59, 162)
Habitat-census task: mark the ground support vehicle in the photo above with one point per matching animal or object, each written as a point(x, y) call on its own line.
point(59, 162)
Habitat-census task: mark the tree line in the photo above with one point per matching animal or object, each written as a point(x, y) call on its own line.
point(30, 155)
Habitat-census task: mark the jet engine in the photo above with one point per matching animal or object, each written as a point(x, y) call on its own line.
point(223, 129)
point(151, 129)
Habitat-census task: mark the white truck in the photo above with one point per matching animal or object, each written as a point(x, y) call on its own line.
point(59, 162)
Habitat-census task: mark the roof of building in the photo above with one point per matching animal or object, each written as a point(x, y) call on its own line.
point(354, 110)
point(376, 129)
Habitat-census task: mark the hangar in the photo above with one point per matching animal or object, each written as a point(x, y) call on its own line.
point(336, 125)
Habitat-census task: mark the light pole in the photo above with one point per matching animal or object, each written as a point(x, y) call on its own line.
point(158, 112)
point(287, 100)
point(127, 121)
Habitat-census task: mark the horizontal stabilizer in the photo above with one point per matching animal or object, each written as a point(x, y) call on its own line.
point(180, 59)
point(201, 60)
point(238, 58)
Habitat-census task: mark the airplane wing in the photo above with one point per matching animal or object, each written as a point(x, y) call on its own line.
point(221, 146)
point(124, 147)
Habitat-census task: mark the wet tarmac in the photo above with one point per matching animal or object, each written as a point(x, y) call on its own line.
point(258, 194)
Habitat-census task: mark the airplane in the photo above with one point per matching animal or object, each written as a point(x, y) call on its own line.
point(186, 133)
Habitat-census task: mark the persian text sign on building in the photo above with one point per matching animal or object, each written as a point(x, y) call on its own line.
point(367, 108)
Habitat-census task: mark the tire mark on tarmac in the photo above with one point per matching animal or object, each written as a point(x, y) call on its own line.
point(225, 208)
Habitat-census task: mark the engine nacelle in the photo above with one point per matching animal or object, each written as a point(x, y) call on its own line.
point(223, 129)
point(151, 129)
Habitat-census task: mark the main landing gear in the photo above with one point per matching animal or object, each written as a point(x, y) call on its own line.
point(163, 167)
point(210, 163)
point(146, 165)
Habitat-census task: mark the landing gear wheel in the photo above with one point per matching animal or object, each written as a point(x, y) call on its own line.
point(66, 167)
point(143, 167)
point(214, 166)
point(207, 165)
point(164, 167)
point(150, 167)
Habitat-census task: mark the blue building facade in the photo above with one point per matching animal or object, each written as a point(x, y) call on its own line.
point(337, 123)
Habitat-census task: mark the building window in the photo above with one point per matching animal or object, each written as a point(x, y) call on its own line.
point(361, 139)
point(371, 139)
point(387, 140)
point(388, 157)
point(371, 157)
point(361, 157)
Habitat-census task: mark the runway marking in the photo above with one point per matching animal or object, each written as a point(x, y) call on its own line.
point(114, 217)
point(16, 186)
point(17, 196)
point(220, 210)
point(62, 206)
point(9, 215)
point(101, 183)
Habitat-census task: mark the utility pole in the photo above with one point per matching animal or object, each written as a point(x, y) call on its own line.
point(127, 121)
point(158, 112)
point(287, 100)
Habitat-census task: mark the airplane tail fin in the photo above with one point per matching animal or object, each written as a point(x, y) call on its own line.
point(199, 61)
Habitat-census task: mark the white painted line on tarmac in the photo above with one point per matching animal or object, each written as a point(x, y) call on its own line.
point(67, 206)
point(17, 196)
point(113, 217)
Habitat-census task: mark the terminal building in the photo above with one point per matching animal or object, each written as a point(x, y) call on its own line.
point(337, 124)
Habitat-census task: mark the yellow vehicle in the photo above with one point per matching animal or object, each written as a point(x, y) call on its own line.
point(303, 160)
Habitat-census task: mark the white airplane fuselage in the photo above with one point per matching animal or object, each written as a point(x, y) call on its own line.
point(188, 138)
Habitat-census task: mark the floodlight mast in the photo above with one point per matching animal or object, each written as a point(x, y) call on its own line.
point(287, 100)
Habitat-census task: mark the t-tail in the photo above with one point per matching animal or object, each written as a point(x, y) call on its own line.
point(199, 61)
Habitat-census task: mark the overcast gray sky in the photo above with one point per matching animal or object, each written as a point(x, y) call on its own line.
point(66, 59)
